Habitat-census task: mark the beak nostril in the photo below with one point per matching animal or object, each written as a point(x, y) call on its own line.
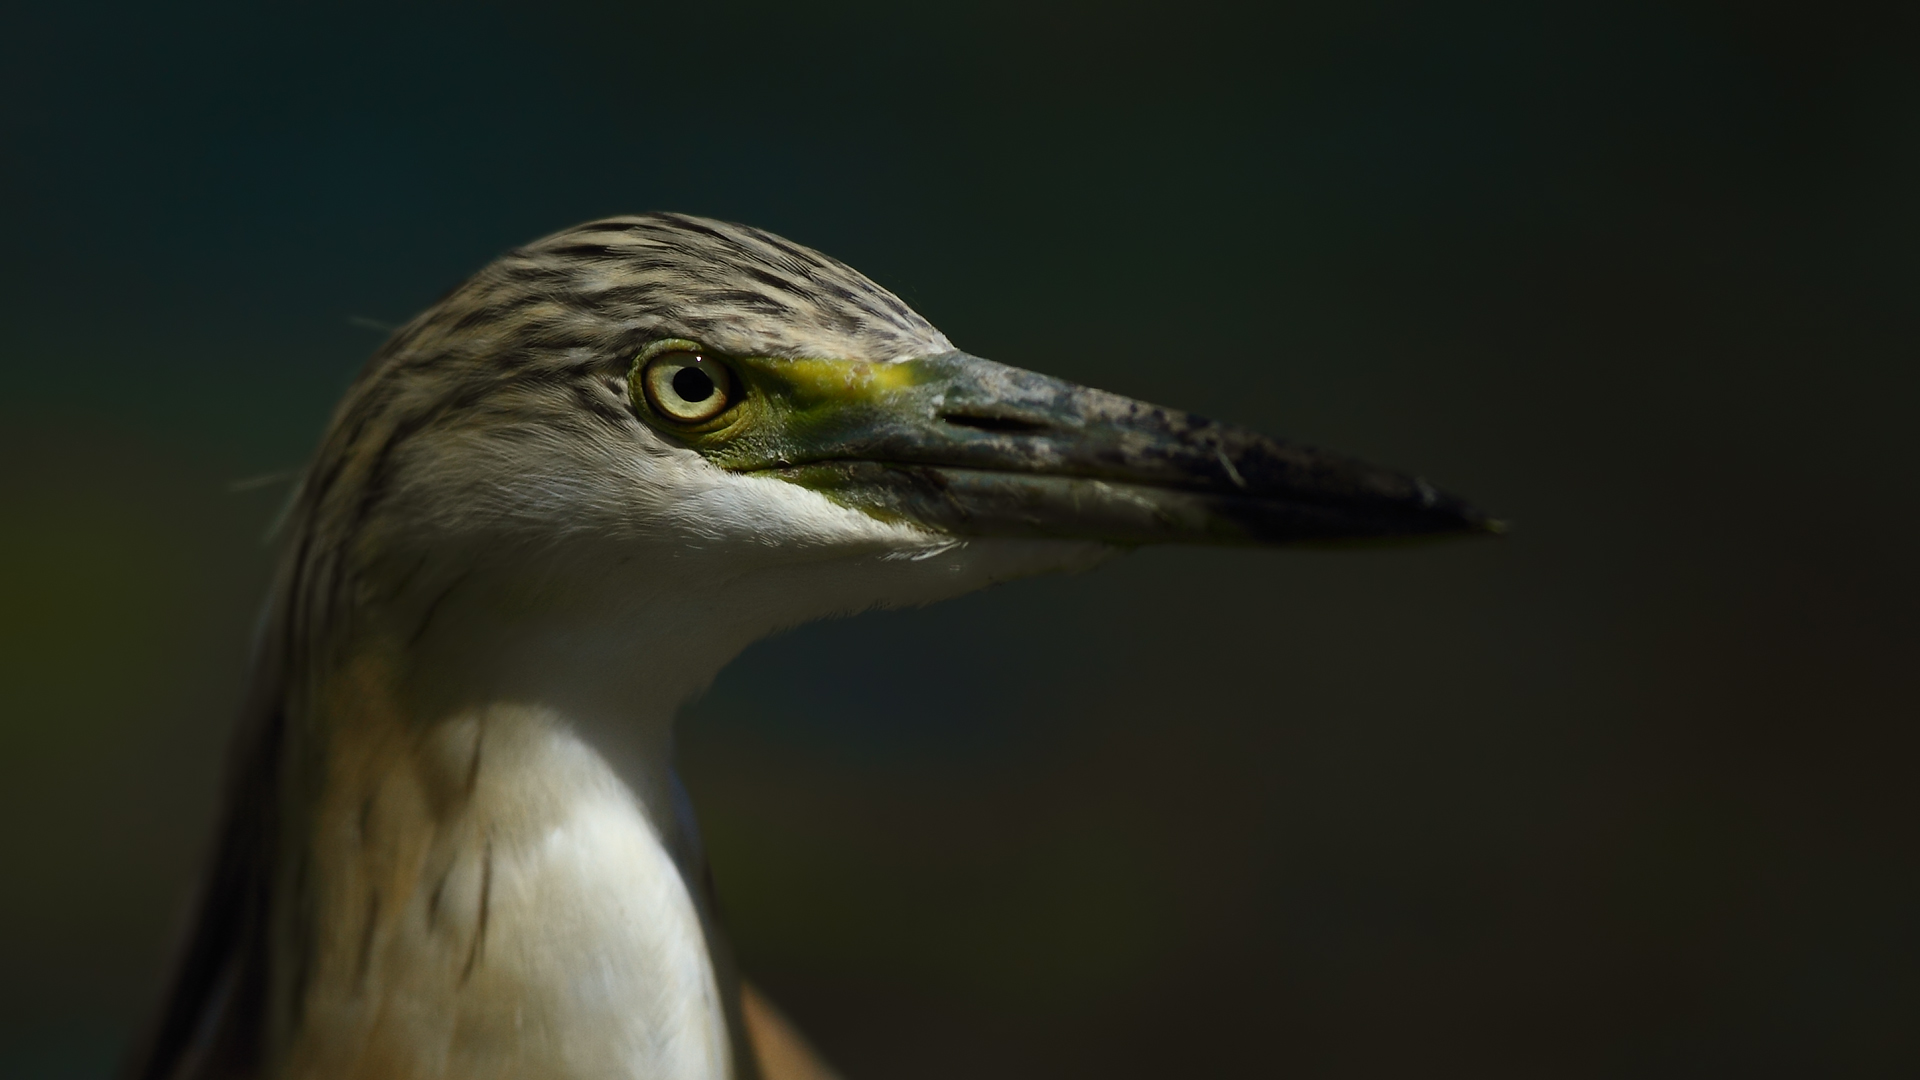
point(1009, 425)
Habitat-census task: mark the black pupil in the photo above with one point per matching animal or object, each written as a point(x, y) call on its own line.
point(692, 384)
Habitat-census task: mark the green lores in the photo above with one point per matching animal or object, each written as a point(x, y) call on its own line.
point(973, 448)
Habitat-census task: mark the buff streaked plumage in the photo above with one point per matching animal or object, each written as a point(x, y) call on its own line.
point(534, 344)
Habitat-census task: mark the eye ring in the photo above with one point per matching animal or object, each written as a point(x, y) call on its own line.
point(684, 385)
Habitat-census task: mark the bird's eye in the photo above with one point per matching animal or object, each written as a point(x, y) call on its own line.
point(687, 387)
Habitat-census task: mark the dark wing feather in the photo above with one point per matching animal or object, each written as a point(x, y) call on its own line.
point(211, 1022)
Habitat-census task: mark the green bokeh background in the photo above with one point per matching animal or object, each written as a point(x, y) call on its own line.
point(1629, 793)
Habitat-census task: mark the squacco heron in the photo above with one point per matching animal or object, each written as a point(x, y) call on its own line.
point(547, 512)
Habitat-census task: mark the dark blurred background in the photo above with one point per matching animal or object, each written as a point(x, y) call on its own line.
point(1628, 793)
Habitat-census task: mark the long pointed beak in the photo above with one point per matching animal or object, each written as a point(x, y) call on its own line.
point(974, 448)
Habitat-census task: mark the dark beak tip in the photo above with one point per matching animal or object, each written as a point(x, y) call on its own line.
point(1471, 521)
point(1432, 510)
point(1454, 514)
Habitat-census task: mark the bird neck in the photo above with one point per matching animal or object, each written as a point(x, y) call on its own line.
point(489, 868)
point(497, 871)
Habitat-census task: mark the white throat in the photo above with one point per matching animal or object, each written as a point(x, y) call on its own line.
point(490, 898)
point(503, 878)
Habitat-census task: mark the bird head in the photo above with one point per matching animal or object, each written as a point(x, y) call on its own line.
point(671, 420)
